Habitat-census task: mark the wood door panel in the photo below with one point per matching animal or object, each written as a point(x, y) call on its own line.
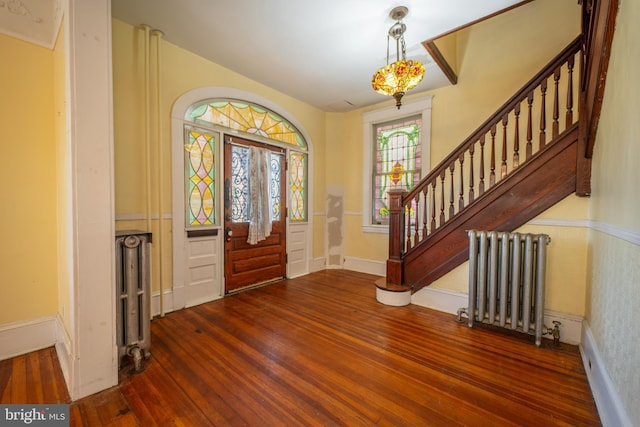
point(247, 264)
point(255, 263)
point(239, 244)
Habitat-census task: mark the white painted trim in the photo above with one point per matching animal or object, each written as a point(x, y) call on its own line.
point(317, 264)
point(440, 299)
point(610, 407)
point(168, 302)
point(63, 349)
point(23, 337)
point(450, 301)
point(631, 236)
point(559, 222)
point(379, 268)
point(394, 299)
point(141, 216)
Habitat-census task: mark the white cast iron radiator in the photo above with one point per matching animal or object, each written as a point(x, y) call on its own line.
point(133, 297)
point(507, 280)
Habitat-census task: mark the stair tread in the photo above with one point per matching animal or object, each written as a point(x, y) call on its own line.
point(391, 287)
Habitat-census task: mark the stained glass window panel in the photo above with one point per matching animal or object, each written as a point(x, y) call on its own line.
point(199, 158)
point(247, 117)
point(298, 186)
point(397, 161)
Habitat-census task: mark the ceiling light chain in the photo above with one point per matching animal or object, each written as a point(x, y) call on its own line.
point(402, 75)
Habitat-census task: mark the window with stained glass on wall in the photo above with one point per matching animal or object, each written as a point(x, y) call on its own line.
point(257, 120)
point(297, 186)
point(246, 117)
point(397, 161)
point(200, 178)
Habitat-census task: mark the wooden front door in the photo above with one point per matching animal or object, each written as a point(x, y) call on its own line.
point(252, 264)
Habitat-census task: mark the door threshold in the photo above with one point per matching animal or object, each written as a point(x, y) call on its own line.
point(255, 285)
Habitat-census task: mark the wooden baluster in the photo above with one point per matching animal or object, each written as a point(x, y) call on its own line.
point(503, 166)
point(471, 178)
point(516, 138)
point(452, 167)
point(407, 221)
point(529, 125)
point(481, 183)
point(569, 114)
point(461, 200)
point(442, 174)
point(492, 167)
point(433, 205)
point(425, 211)
point(416, 234)
point(556, 104)
point(543, 114)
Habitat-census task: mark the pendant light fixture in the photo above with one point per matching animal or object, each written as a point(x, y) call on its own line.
point(402, 75)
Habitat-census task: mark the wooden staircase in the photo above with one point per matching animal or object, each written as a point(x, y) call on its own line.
point(503, 175)
point(489, 181)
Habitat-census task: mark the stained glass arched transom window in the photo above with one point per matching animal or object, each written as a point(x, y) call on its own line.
point(247, 117)
point(252, 119)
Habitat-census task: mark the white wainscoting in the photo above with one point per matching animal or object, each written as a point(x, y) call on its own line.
point(610, 407)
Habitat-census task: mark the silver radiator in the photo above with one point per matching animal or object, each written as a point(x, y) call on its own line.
point(507, 280)
point(133, 298)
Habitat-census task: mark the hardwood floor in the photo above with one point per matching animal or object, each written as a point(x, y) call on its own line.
point(319, 350)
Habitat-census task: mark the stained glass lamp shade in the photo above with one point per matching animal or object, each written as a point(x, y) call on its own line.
point(397, 78)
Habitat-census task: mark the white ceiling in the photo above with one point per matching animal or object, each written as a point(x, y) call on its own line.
point(321, 52)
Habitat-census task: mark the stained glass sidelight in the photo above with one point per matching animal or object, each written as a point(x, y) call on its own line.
point(200, 163)
point(297, 186)
point(397, 161)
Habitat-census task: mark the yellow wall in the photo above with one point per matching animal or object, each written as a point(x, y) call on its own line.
point(28, 275)
point(614, 241)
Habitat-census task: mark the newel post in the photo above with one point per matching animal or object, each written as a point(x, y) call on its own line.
point(396, 237)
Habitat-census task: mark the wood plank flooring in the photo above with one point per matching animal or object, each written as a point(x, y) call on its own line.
point(320, 351)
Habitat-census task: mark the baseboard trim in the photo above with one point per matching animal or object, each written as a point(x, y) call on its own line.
point(317, 264)
point(168, 302)
point(450, 301)
point(63, 350)
point(23, 337)
point(361, 265)
point(610, 407)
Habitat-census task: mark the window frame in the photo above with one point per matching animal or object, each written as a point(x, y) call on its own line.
point(421, 107)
